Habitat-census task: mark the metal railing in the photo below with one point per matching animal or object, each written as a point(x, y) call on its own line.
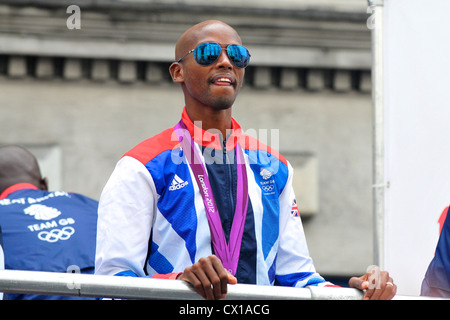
point(85, 285)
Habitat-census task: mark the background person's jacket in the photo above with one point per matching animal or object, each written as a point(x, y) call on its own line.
point(51, 231)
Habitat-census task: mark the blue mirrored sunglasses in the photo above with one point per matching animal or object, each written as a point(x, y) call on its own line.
point(207, 53)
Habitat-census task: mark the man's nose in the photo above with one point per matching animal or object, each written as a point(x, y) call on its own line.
point(223, 61)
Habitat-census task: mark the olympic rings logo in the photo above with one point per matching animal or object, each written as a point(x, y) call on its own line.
point(268, 188)
point(56, 234)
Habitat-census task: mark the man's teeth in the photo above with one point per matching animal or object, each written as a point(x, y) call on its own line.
point(224, 80)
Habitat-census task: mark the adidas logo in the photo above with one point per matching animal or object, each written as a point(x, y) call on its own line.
point(177, 183)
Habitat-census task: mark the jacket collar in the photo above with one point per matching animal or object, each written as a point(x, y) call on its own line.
point(16, 187)
point(212, 138)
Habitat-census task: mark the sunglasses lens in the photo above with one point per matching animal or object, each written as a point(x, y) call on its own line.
point(239, 55)
point(207, 53)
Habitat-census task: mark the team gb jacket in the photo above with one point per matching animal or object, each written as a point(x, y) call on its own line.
point(152, 221)
point(52, 231)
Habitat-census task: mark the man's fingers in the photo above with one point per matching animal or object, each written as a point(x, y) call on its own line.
point(378, 285)
point(219, 277)
point(231, 279)
point(386, 290)
point(381, 287)
point(195, 278)
point(209, 277)
point(358, 283)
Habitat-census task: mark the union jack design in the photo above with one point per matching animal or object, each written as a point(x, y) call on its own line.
point(294, 210)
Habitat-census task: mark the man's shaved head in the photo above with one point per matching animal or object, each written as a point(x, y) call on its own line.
point(199, 83)
point(197, 33)
point(17, 165)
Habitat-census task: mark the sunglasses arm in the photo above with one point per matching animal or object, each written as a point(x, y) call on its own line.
point(185, 55)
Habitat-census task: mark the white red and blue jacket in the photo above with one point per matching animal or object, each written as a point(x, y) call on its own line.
point(2, 257)
point(437, 278)
point(152, 219)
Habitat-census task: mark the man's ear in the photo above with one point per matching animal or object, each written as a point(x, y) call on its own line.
point(176, 71)
point(44, 184)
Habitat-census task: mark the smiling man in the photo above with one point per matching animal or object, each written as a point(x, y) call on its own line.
point(203, 202)
point(210, 88)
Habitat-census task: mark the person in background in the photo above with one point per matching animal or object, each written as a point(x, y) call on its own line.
point(2, 258)
point(43, 230)
point(436, 282)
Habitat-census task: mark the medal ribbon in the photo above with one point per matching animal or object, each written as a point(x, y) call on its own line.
point(228, 253)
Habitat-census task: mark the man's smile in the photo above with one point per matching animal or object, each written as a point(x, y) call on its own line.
point(223, 80)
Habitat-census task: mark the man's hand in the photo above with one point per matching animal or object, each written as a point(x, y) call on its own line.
point(378, 285)
point(209, 278)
